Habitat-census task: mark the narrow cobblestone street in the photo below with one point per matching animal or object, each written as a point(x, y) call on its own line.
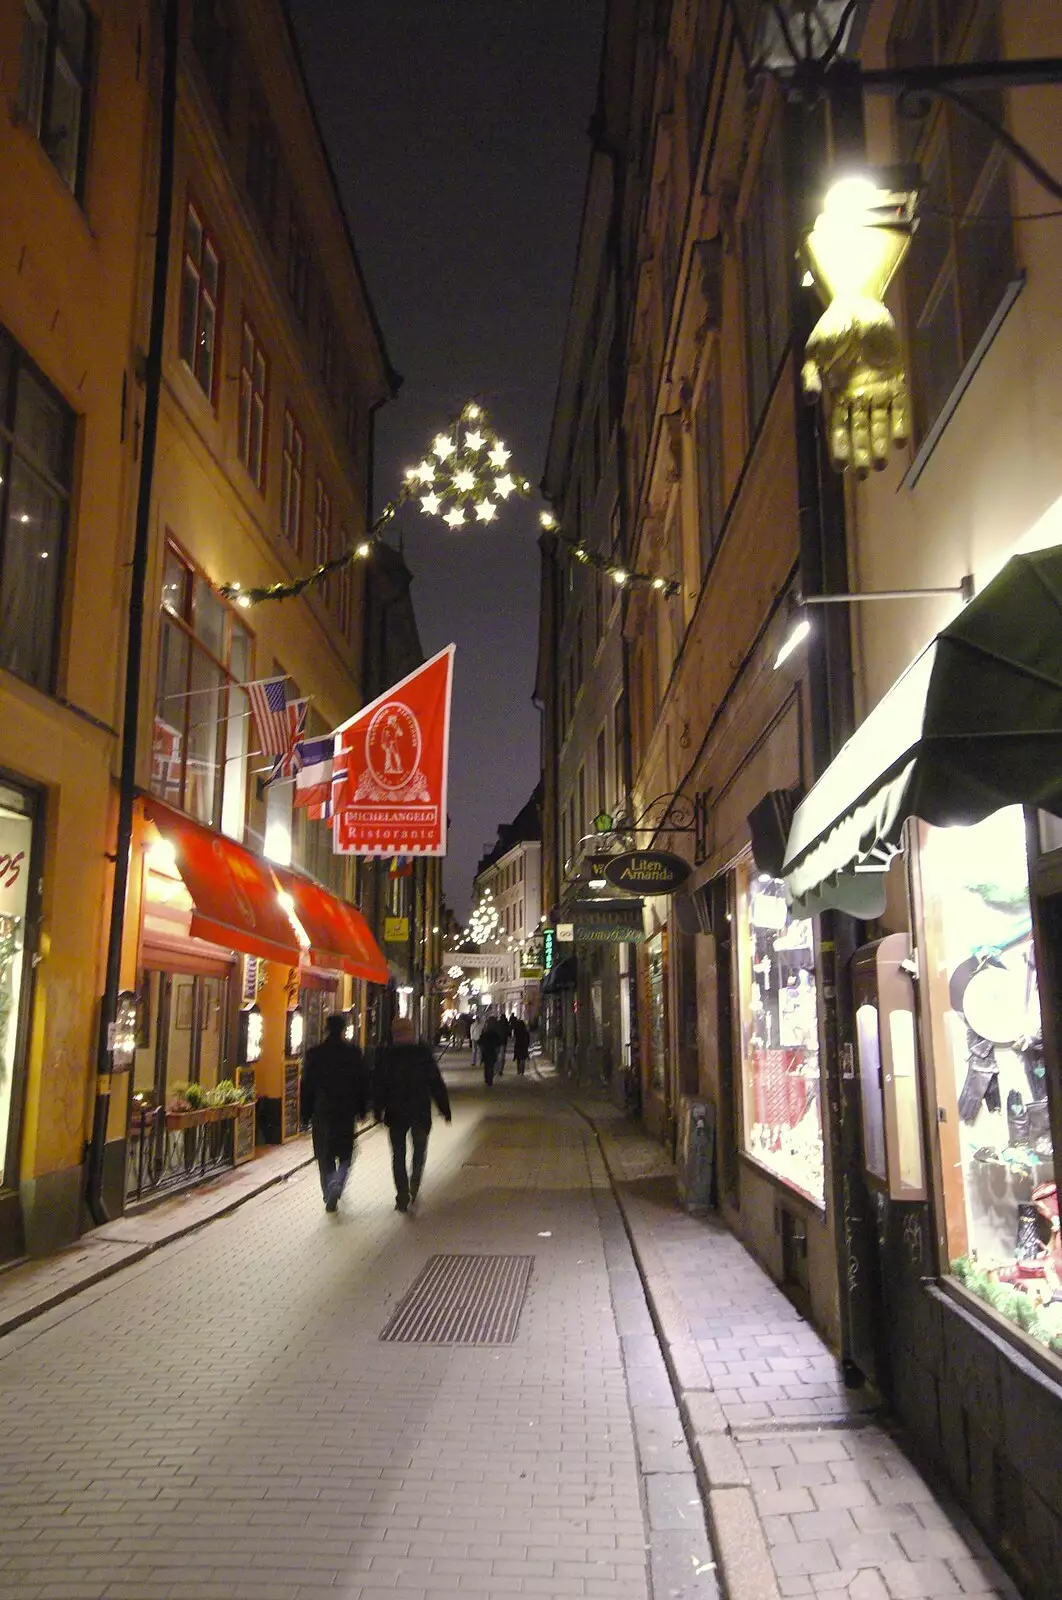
point(221, 1419)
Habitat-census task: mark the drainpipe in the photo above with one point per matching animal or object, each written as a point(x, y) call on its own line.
point(134, 645)
point(824, 570)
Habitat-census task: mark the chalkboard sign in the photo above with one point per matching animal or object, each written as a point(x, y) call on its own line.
point(243, 1134)
point(291, 1100)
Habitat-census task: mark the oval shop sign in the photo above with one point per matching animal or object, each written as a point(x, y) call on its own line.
point(647, 871)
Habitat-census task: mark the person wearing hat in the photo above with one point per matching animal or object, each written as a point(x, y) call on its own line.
point(333, 1096)
point(407, 1083)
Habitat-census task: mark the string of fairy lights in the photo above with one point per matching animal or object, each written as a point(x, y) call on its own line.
point(464, 479)
point(621, 576)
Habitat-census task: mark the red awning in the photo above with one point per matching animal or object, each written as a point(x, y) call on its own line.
point(338, 933)
point(234, 893)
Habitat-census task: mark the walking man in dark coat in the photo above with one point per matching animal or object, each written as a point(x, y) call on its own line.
point(407, 1083)
point(521, 1038)
point(334, 1095)
point(489, 1046)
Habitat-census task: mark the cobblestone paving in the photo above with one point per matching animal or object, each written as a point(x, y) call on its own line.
point(843, 1511)
point(221, 1421)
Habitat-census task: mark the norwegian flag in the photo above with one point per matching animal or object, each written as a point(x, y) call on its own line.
point(313, 781)
point(289, 759)
point(324, 810)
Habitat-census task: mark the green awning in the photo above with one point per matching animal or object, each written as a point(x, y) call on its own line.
point(975, 723)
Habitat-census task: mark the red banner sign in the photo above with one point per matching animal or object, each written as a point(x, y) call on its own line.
point(392, 800)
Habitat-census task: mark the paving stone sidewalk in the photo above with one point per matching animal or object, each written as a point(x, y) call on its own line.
point(31, 1287)
point(807, 1488)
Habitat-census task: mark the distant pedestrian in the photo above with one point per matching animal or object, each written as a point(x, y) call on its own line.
point(463, 1024)
point(521, 1036)
point(408, 1080)
point(489, 1046)
point(475, 1034)
point(501, 1026)
point(333, 1096)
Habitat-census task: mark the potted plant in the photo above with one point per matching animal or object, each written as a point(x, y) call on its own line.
point(186, 1108)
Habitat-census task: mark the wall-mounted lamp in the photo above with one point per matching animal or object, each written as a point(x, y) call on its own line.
point(799, 625)
point(965, 589)
point(250, 1040)
point(799, 628)
point(853, 359)
point(124, 1030)
point(294, 1032)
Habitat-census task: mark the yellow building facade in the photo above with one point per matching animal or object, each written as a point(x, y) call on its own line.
point(272, 365)
point(72, 155)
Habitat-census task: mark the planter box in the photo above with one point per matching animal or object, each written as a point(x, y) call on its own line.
point(178, 1121)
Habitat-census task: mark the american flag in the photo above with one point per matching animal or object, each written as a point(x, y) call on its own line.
point(289, 760)
point(269, 705)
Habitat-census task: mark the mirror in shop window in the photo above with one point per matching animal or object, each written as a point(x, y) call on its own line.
point(884, 998)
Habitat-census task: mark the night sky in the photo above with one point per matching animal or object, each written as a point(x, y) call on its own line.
point(458, 133)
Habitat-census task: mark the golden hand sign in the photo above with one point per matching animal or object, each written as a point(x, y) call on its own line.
point(854, 361)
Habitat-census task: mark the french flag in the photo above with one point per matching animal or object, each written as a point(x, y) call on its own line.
point(313, 781)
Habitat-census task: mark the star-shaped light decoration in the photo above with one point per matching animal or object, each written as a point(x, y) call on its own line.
point(462, 477)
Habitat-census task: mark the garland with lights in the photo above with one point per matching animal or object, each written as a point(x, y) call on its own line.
point(484, 921)
point(621, 576)
point(464, 471)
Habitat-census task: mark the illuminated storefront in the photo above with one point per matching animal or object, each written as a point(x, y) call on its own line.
point(237, 963)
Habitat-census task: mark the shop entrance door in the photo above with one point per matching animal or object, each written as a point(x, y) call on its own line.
point(19, 874)
point(183, 1051)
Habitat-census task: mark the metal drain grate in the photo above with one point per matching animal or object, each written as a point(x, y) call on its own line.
point(463, 1300)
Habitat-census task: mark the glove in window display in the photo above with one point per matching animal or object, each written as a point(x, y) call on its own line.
point(976, 883)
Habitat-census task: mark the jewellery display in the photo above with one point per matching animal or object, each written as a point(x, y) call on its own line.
point(780, 1036)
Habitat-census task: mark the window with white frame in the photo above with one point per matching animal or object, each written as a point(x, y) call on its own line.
point(322, 523)
point(54, 76)
point(36, 472)
point(298, 264)
point(765, 269)
point(291, 479)
point(961, 261)
point(201, 731)
point(200, 299)
point(252, 415)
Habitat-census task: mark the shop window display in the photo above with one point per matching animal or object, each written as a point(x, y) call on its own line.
point(998, 1171)
point(779, 1034)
